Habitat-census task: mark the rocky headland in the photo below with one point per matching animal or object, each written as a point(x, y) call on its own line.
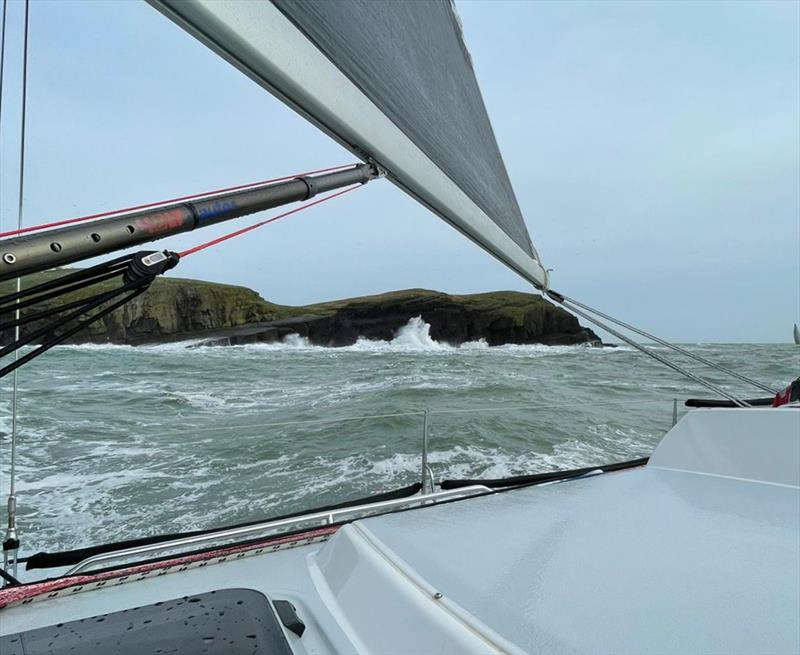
point(175, 309)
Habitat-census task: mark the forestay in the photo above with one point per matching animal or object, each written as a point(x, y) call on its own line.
point(391, 81)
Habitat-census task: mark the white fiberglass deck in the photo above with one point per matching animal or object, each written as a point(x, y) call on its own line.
point(697, 555)
point(699, 552)
point(645, 561)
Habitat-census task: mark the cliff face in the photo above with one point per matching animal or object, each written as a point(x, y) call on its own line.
point(499, 318)
point(176, 309)
point(170, 310)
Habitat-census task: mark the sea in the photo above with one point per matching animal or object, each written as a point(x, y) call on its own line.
point(118, 442)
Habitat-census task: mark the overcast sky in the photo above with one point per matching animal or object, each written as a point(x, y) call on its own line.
point(654, 149)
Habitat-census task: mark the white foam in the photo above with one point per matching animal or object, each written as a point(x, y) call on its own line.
point(480, 344)
point(414, 337)
point(416, 334)
point(200, 399)
point(296, 341)
point(95, 346)
point(289, 342)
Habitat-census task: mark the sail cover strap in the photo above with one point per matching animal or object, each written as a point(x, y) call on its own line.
point(391, 81)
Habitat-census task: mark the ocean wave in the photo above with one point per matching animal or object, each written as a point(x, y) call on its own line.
point(116, 441)
point(94, 346)
point(413, 337)
point(200, 399)
point(470, 461)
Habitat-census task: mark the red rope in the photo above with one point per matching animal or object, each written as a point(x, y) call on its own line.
point(80, 219)
point(244, 230)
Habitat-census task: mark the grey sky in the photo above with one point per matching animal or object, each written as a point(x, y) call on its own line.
point(654, 148)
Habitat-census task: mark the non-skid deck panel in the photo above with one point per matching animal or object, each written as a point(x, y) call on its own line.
point(225, 622)
point(641, 561)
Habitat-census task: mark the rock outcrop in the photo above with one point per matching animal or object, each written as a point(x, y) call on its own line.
point(499, 318)
point(179, 309)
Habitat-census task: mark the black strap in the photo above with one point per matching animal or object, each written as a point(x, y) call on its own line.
point(70, 557)
point(136, 271)
point(538, 478)
point(714, 402)
point(10, 579)
point(71, 281)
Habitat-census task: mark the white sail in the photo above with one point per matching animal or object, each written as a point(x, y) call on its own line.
point(391, 81)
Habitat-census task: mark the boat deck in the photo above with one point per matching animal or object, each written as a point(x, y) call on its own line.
point(660, 559)
point(645, 561)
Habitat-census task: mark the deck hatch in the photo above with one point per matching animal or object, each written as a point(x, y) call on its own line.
point(228, 621)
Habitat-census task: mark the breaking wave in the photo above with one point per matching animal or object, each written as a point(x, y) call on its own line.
point(413, 336)
point(416, 334)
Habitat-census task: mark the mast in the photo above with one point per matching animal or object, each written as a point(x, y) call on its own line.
point(47, 249)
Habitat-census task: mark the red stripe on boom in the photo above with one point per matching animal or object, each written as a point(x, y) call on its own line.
point(80, 219)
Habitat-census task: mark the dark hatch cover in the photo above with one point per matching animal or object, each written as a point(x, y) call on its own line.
point(228, 621)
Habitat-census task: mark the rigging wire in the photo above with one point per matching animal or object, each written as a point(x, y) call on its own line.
point(676, 348)
point(647, 351)
point(250, 228)
point(11, 542)
point(2, 60)
point(137, 271)
point(7, 578)
point(194, 196)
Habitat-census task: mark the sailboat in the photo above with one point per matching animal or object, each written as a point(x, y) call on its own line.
point(693, 549)
point(796, 334)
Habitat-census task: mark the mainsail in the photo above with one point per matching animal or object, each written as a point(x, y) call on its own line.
point(393, 82)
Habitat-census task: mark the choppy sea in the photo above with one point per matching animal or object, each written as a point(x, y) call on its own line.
point(117, 442)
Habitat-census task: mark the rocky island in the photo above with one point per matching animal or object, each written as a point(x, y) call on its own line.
point(175, 309)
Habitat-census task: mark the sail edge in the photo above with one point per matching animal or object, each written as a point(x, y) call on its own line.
point(281, 59)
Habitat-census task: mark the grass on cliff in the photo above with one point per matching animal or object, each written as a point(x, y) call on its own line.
point(160, 286)
point(512, 303)
point(164, 289)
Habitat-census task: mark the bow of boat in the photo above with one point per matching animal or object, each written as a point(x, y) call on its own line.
point(695, 552)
